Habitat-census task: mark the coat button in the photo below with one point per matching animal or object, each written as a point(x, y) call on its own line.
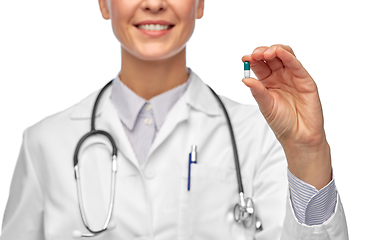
point(150, 173)
point(148, 107)
point(148, 121)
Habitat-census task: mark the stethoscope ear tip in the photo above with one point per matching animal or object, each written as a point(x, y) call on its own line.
point(77, 234)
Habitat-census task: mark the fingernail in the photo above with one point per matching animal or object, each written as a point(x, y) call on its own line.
point(269, 50)
point(256, 51)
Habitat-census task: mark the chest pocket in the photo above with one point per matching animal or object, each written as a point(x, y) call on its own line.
point(206, 211)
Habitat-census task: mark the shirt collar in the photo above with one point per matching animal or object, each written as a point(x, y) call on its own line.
point(197, 95)
point(129, 105)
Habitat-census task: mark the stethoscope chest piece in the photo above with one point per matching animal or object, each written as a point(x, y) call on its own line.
point(244, 212)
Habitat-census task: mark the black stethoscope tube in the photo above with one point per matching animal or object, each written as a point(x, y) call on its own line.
point(93, 117)
point(93, 129)
point(234, 146)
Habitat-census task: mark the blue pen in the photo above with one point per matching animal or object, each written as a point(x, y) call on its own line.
point(192, 159)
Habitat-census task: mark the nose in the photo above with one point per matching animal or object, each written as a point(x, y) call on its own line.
point(154, 5)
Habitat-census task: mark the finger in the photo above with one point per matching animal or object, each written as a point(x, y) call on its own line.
point(258, 53)
point(261, 94)
point(286, 47)
point(260, 68)
point(291, 62)
point(268, 56)
point(273, 62)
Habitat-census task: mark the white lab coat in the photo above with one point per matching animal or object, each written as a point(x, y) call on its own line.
point(152, 201)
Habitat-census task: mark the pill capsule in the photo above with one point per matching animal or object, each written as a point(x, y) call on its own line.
point(247, 69)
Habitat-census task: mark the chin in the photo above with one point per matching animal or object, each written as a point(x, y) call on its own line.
point(158, 52)
point(155, 52)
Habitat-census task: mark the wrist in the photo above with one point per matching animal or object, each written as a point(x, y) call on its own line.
point(311, 164)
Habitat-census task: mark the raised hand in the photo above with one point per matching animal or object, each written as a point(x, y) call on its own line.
point(288, 99)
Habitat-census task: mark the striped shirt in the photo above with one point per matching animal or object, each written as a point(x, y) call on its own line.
point(142, 119)
point(312, 207)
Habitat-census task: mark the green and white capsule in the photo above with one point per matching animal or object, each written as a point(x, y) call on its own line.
point(247, 69)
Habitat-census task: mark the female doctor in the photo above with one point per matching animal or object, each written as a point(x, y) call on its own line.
point(155, 110)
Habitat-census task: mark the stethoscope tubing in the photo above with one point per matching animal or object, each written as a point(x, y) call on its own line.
point(89, 134)
point(93, 128)
point(92, 132)
point(234, 145)
point(93, 117)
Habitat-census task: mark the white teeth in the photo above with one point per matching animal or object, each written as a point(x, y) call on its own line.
point(152, 27)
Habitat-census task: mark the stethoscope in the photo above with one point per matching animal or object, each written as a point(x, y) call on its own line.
point(243, 211)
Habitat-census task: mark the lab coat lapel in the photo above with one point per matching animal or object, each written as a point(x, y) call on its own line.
point(110, 120)
point(107, 120)
point(176, 115)
point(199, 97)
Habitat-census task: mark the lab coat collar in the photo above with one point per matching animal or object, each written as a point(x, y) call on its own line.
point(198, 96)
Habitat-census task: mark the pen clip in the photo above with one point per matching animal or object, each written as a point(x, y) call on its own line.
point(192, 159)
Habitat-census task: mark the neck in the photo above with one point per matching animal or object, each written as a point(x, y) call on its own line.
point(151, 78)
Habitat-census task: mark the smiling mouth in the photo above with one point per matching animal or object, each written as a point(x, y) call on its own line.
point(154, 27)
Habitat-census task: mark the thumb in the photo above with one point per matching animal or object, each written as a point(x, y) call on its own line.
point(261, 95)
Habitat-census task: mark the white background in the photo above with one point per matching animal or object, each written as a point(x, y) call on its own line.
point(54, 53)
